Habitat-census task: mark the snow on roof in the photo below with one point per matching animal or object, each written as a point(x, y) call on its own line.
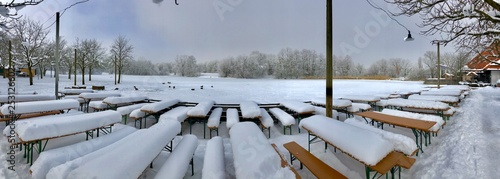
point(75, 91)
point(178, 114)
point(27, 97)
point(322, 111)
point(364, 145)
point(425, 117)
point(141, 148)
point(446, 99)
point(214, 119)
point(258, 159)
point(266, 120)
point(94, 96)
point(409, 103)
point(298, 107)
point(178, 161)
point(213, 162)
point(126, 110)
point(62, 125)
point(41, 106)
point(444, 92)
point(158, 106)
point(54, 157)
point(124, 99)
point(201, 109)
point(250, 109)
point(361, 98)
point(338, 103)
point(401, 143)
point(285, 118)
point(231, 117)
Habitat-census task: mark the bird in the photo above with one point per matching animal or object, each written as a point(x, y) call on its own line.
point(201, 87)
point(116, 88)
point(192, 89)
point(174, 87)
point(136, 88)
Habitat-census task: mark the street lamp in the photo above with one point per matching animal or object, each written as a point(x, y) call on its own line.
point(438, 42)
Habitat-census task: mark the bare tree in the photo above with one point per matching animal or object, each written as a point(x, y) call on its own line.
point(122, 51)
point(430, 61)
point(343, 65)
point(94, 53)
point(30, 37)
point(186, 66)
point(399, 67)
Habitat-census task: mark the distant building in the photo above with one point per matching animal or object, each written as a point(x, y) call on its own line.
point(484, 67)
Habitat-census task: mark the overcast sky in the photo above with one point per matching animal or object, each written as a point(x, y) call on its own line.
point(215, 29)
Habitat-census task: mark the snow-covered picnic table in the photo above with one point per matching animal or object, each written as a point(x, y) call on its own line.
point(75, 91)
point(114, 102)
point(38, 132)
point(407, 104)
point(263, 161)
point(299, 108)
point(87, 97)
point(201, 109)
point(340, 105)
point(370, 99)
point(421, 128)
point(36, 108)
point(443, 92)
point(158, 108)
point(26, 98)
point(451, 100)
point(371, 149)
point(250, 110)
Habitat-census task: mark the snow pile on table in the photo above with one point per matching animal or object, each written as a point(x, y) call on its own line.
point(94, 96)
point(41, 106)
point(178, 161)
point(266, 120)
point(364, 145)
point(214, 119)
point(158, 106)
point(285, 118)
point(446, 99)
point(62, 125)
point(322, 111)
point(400, 142)
point(356, 107)
point(201, 109)
point(382, 103)
point(26, 98)
point(124, 99)
point(7, 130)
point(339, 103)
point(254, 157)
point(298, 107)
point(75, 91)
point(360, 98)
point(418, 104)
point(126, 110)
point(443, 92)
point(232, 117)
point(178, 114)
point(52, 158)
point(98, 105)
point(140, 148)
point(250, 110)
point(425, 117)
point(213, 162)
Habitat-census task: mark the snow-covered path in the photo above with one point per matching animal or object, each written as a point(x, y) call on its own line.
point(469, 144)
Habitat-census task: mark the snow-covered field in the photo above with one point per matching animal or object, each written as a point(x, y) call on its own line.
point(467, 147)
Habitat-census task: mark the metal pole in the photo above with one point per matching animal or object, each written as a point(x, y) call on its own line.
point(114, 62)
point(329, 57)
point(74, 84)
point(439, 66)
point(57, 55)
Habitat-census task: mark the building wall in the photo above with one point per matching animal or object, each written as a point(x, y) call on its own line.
point(495, 75)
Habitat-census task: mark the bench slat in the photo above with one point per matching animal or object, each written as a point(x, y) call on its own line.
point(315, 165)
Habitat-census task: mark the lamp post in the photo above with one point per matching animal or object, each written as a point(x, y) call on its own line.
point(329, 57)
point(438, 42)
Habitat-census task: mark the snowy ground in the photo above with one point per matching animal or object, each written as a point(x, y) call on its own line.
point(467, 147)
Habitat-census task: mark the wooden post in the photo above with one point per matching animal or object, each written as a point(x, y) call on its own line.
point(57, 56)
point(75, 69)
point(329, 57)
point(439, 66)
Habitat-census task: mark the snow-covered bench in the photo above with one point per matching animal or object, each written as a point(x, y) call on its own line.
point(41, 131)
point(340, 105)
point(87, 97)
point(26, 98)
point(314, 164)
point(371, 100)
point(322, 111)
point(126, 110)
point(371, 149)
point(287, 120)
point(140, 147)
point(421, 128)
point(180, 159)
point(433, 107)
point(213, 162)
point(262, 161)
point(213, 121)
point(250, 110)
point(266, 122)
point(426, 117)
point(75, 91)
point(54, 157)
point(115, 102)
point(138, 116)
point(158, 108)
point(358, 107)
point(380, 105)
point(299, 109)
point(36, 108)
point(178, 114)
point(451, 100)
point(232, 117)
point(443, 92)
point(199, 113)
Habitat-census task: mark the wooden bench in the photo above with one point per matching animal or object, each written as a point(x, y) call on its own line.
point(36, 108)
point(158, 108)
point(178, 114)
point(358, 107)
point(420, 128)
point(382, 157)
point(284, 163)
point(126, 110)
point(232, 117)
point(115, 102)
point(213, 162)
point(213, 122)
point(179, 160)
point(287, 120)
point(87, 97)
point(316, 166)
point(433, 107)
point(26, 98)
point(266, 122)
point(199, 113)
point(299, 109)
